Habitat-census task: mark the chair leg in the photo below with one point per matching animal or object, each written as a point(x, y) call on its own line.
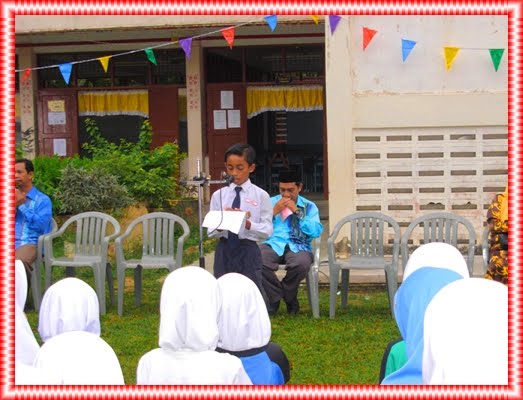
point(36, 286)
point(345, 275)
point(110, 282)
point(392, 287)
point(138, 285)
point(99, 283)
point(120, 273)
point(48, 273)
point(333, 278)
point(70, 272)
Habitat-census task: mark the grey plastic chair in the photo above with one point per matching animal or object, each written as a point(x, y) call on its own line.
point(485, 248)
point(160, 249)
point(92, 239)
point(441, 227)
point(368, 232)
point(36, 276)
point(312, 279)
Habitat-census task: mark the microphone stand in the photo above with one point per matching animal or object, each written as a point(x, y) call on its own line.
point(200, 181)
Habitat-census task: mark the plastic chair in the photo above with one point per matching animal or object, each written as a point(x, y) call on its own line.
point(441, 227)
point(485, 248)
point(312, 279)
point(158, 250)
point(36, 276)
point(368, 232)
point(90, 249)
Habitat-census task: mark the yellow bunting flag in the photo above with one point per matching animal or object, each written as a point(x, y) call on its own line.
point(450, 55)
point(315, 18)
point(105, 62)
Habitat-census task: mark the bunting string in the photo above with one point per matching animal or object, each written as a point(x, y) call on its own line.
point(368, 35)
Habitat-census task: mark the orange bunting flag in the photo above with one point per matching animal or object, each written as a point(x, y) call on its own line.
point(315, 18)
point(450, 55)
point(105, 62)
point(27, 72)
point(228, 34)
point(368, 34)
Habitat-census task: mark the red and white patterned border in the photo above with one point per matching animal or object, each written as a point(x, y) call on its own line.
point(9, 9)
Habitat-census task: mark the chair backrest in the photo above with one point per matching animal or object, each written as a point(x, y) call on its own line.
point(441, 227)
point(367, 235)
point(158, 230)
point(485, 248)
point(92, 236)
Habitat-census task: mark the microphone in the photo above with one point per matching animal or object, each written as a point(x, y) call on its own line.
point(227, 179)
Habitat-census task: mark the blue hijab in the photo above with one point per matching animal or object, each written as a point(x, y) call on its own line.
point(412, 299)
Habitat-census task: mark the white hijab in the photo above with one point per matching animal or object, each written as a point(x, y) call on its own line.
point(80, 358)
point(244, 323)
point(436, 255)
point(466, 334)
point(189, 308)
point(26, 345)
point(69, 305)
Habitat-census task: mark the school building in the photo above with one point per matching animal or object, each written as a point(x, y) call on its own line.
point(398, 114)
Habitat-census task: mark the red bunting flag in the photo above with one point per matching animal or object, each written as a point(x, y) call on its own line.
point(368, 34)
point(228, 34)
point(27, 72)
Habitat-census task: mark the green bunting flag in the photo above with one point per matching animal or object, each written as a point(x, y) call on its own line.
point(496, 55)
point(150, 56)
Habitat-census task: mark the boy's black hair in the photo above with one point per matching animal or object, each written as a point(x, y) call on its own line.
point(244, 150)
point(289, 175)
point(29, 167)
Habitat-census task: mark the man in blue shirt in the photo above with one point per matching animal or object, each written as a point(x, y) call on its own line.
point(33, 214)
point(296, 222)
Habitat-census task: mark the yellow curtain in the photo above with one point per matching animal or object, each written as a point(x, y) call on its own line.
point(114, 102)
point(182, 106)
point(283, 98)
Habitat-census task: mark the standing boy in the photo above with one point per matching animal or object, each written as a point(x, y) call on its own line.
point(240, 253)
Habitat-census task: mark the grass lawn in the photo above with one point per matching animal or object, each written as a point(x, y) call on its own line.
point(346, 350)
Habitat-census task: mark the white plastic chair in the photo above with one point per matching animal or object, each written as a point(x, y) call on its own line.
point(368, 232)
point(90, 248)
point(36, 276)
point(312, 279)
point(441, 227)
point(160, 249)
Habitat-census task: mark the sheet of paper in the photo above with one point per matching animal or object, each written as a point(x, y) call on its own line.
point(227, 99)
point(285, 213)
point(233, 117)
point(227, 220)
point(60, 147)
point(220, 119)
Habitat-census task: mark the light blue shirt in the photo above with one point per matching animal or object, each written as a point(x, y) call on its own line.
point(33, 218)
point(254, 200)
point(297, 232)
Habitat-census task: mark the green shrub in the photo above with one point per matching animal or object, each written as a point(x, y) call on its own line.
point(150, 176)
point(90, 189)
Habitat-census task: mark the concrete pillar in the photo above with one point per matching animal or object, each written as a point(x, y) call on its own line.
point(27, 100)
point(338, 85)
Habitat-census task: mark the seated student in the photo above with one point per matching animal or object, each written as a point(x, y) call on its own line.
point(245, 329)
point(431, 267)
point(69, 325)
point(26, 345)
point(466, 334)
point(190, 304)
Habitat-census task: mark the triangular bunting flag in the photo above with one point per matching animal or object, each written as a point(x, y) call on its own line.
point(66, 69)
point(496, 55)
point(228, 34)
point(105, 62)
point(450, 55)
point(368, 34)
point(406, 48)
point(315, 18)
point(186, 45)
point(333, 22)
point(272, 21)
point(150, 56)
point(27, 72)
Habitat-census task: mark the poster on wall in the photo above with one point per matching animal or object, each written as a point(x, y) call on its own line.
point(220, 119)
point(226, 99)
point(233, 118)
point(56, 112)
point(60, 147)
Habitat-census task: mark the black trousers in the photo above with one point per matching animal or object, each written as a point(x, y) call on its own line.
point(297, 266)
point(243, 258)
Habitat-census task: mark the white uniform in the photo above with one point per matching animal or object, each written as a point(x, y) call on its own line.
point(189, 308)
point(466, 334)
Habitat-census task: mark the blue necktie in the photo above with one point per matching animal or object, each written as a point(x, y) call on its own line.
point(233, 237)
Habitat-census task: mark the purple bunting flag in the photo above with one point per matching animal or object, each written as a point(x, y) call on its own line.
point(186, 45)
point(333, 22)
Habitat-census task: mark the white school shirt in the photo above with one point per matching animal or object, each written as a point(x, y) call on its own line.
point(254, 200)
